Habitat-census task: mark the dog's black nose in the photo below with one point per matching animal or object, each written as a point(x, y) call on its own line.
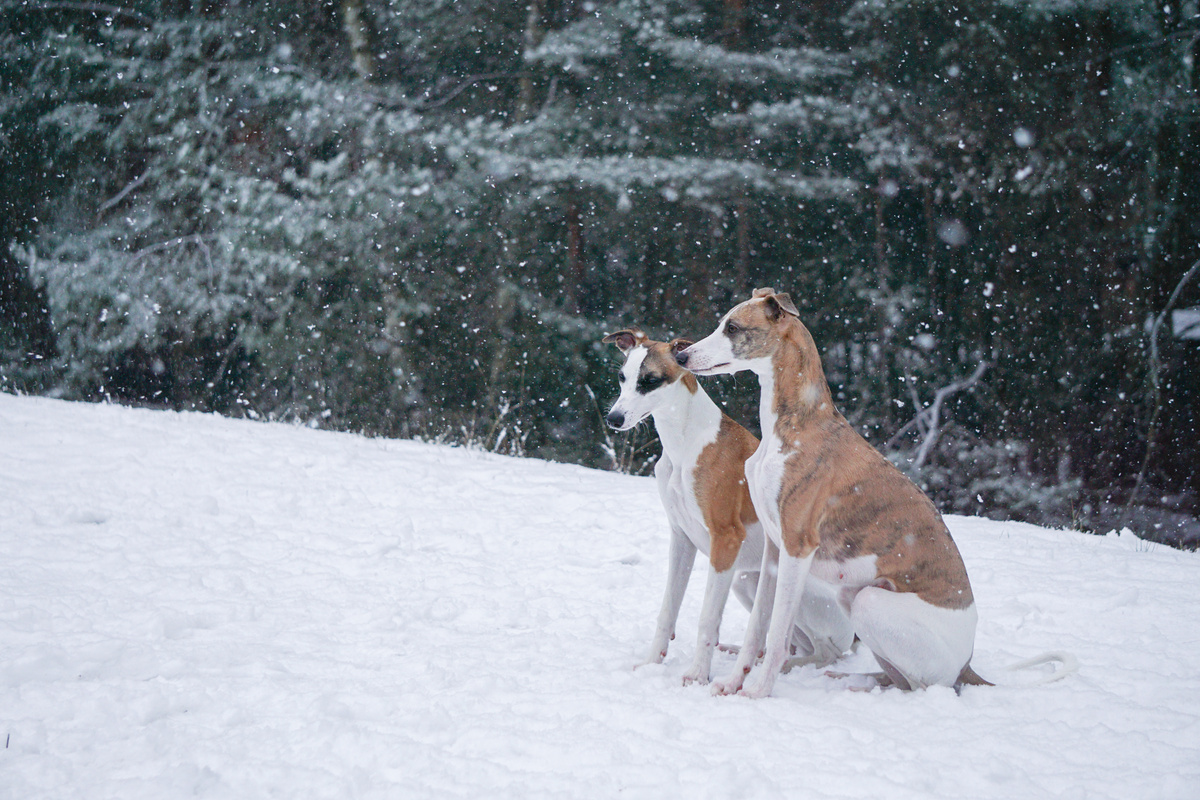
point(615, 419)
point(681, 358)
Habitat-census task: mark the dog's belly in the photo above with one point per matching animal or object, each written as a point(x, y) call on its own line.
point(844, 579)
point(853, 573)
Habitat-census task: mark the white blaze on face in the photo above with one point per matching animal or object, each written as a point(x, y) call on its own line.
point(631, 403)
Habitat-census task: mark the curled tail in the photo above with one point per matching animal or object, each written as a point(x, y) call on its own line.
point(1068, 664)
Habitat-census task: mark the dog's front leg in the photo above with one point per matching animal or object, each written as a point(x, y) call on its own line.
point(679, 569)
point(793, 572)
point(756, 628)
point(716, 592)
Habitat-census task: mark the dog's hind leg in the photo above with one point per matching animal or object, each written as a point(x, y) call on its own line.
point(760, 619)
point(916, 643)
point(823, 631)
point(744, 587)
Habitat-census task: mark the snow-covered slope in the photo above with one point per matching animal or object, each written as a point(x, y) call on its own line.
point(195, 605)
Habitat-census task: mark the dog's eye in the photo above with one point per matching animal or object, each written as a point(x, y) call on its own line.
point(620, 377)
point(650, 382)
point(732, 327)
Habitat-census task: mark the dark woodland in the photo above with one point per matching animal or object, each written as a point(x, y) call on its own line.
point(418, 219)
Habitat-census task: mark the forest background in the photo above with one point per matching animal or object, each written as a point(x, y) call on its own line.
point(417, 218)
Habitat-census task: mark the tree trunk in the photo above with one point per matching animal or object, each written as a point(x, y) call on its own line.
point(354, 22)
point(734, 23)
point(743, 245)
point(930, 248)
point(574, 274)
point(880, 232)
point(534, 33)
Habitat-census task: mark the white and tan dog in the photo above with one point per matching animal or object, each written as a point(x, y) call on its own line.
point(839, 515)
point(702, 484)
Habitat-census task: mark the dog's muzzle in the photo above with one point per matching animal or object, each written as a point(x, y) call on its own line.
point(615, 419)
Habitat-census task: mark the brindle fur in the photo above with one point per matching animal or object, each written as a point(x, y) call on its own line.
point(839, 496)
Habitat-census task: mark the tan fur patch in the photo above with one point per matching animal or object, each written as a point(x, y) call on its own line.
point(722, 492)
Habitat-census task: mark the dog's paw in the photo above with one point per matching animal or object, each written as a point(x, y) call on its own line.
point(759, 684)
point(697, 674)
point(757, 689)
point(734, 682)
point(653, 658)
point(728, 686)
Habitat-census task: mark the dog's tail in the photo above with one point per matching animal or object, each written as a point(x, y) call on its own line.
point(1068, 664)
point(969, 677)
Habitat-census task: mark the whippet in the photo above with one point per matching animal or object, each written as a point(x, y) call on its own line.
point(702, 483)
point(838, 515)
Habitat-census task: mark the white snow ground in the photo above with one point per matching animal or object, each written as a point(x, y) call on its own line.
point(192, 605)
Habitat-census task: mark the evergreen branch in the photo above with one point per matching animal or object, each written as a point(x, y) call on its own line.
point(1191, 32)
point(425, 105)
point(93, 8)
point(158, 247)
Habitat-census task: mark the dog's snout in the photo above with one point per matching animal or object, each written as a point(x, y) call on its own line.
point(681, 358)
point(615, 419)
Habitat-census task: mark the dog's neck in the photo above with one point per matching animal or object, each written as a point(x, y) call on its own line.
point(687, 417)
point(794, 392)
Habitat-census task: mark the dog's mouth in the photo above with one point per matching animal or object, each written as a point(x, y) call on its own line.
point(627, 424)
point(708, 370)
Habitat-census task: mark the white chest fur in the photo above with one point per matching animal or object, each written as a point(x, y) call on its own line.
point(764, 469)
point(686, 427)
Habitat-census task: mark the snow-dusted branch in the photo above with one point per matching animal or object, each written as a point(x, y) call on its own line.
point(1155, 384)
point(90, 8)
point(121, 195)
point(427, 105)
point(928, 420)
point(935, 410)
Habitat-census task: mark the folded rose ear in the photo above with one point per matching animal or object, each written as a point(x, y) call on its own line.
point(625, 340)
point(680, 344)
point(764, 292)
point(785, 302)
point(777, 304)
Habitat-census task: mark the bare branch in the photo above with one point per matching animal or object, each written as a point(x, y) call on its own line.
point(121, 195)
point(928, 420)
point(935, 410)
point(1155, 385)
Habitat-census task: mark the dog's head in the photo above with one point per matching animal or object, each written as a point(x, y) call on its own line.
point(745, 338)
point(649, 378)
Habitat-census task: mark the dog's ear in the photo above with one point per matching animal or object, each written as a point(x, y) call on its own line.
point(785, 302)
point(778, 304)
point(763, 292)
point(625, 340)
point(680, 344)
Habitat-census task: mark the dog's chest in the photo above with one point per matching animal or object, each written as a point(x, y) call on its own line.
point(677, 490)
point(764, 476)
